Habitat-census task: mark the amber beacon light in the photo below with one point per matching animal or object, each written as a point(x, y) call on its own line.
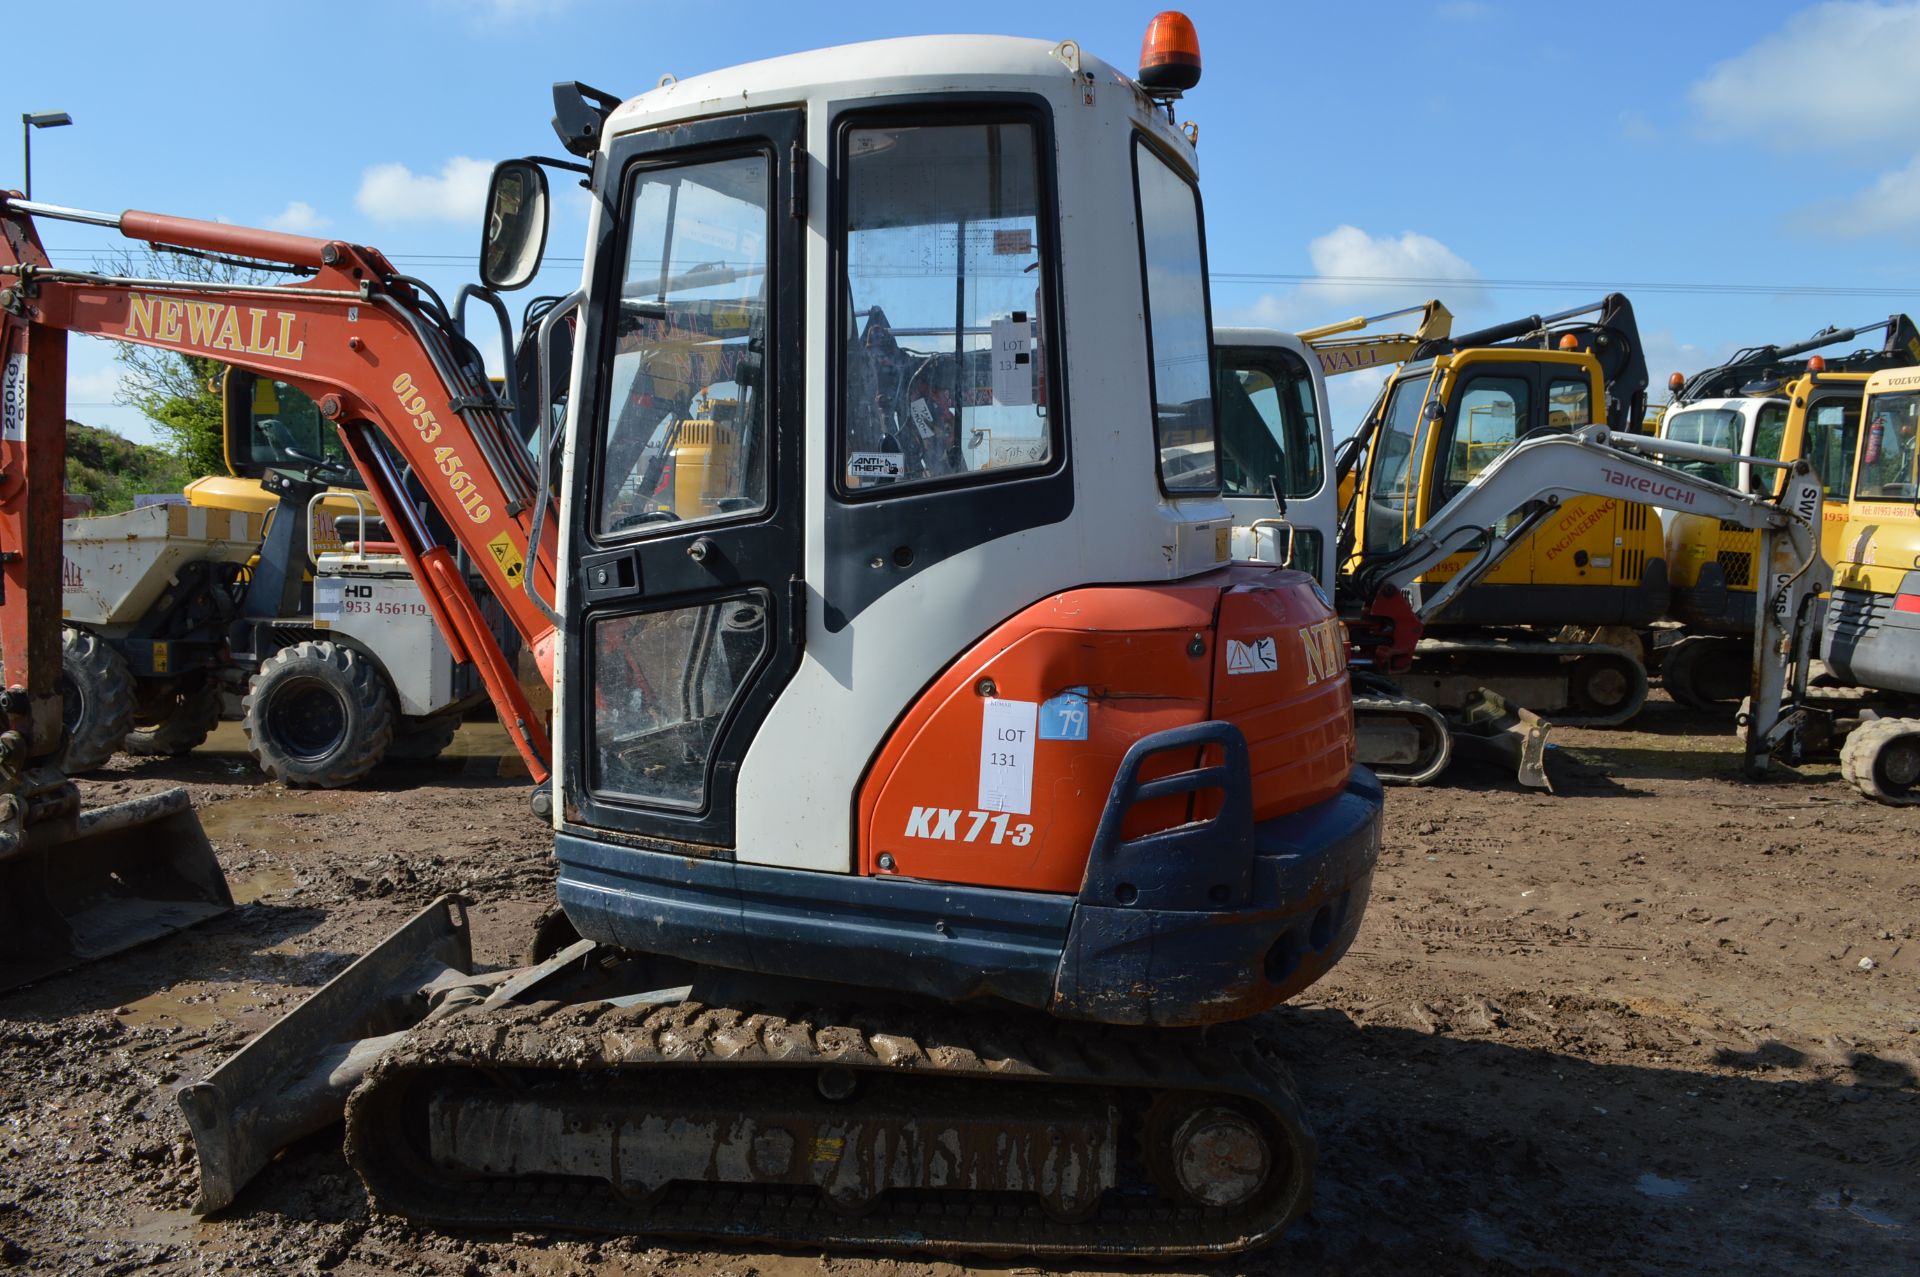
point(1170, 55)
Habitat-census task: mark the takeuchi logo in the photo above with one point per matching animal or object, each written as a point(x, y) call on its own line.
point(212, 325)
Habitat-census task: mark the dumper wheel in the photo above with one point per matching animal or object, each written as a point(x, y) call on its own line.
point(421, 740)
point(1881, 759)
point(318, 715)
point(174, 721)
point(96, 696)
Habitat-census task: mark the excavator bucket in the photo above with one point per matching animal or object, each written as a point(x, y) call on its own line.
point(1491, 728)
point(294, 1078)
point(106, 880)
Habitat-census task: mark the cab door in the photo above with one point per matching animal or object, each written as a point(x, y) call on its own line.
point(687, 616)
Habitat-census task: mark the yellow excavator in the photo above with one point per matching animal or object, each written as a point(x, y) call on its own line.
point(1771, 403)
point(1864, 693)
point(1595, 567)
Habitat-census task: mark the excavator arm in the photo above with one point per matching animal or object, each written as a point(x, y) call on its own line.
point(387, 366)
point(1504, 503)
point(1342, 354)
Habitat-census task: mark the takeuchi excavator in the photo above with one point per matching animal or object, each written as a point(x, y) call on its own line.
point(934, 800)
point(1775, 402)
point(1552, 627)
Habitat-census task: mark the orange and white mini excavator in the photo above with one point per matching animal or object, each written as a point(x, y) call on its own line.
point(933, 798)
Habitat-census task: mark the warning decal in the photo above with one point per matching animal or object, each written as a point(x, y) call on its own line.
point(507, 555)
point(1257, 657)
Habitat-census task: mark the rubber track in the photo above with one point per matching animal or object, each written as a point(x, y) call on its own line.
point(1004, 1049)
point(1636, 699)
point(1862, 749)
point(1380, 706)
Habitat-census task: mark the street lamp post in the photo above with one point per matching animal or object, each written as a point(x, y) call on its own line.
point(29, 121)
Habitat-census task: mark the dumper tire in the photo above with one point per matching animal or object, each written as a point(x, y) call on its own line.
point(1881, 759)
point(318, 715)
point(180, 721)
point(96, 700)
point(421, 740)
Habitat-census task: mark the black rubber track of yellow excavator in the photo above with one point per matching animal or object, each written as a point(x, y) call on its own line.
point(925, 1130)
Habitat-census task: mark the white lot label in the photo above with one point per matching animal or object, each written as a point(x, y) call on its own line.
point(1006, 755)
point(13, 399)
point(1257, 657)
point(1013, 360)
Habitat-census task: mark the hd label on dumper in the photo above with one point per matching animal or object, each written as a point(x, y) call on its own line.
point(1259, 656)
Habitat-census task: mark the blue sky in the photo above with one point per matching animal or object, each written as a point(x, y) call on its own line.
point(1758, 149)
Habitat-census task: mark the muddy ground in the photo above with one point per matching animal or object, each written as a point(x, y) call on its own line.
point(1664, 1021)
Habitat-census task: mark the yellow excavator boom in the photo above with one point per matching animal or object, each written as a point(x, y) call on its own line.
point(1338, 354)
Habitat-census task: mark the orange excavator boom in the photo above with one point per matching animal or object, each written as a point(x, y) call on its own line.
point(380, 355)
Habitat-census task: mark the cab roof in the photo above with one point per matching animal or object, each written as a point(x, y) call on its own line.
point(907, 65)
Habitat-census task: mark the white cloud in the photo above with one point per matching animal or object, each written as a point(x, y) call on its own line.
point(395, 193)
point(1355, 271)
point(1359, 273)
point(1837, 74)
point(299, 217)
point(1890, 205)
point(96, 388)
point(1636, 127)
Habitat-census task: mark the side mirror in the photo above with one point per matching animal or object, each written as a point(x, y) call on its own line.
point(515, 234)
point(1436, 409)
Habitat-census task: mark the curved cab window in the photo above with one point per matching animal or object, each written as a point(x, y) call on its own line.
point(1178, 338)
point(1269, 424)
point(1712, 428)
point(943, 360)
point(686, 417)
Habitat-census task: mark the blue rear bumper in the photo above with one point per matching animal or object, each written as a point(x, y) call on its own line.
point(1212, 921)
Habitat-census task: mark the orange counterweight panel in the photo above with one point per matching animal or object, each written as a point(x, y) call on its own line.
point(1297, 716)
point(998, 775)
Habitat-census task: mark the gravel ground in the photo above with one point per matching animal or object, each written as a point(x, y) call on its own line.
point(1661, 1021)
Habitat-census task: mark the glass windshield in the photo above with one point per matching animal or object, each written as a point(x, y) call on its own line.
point(1492, 414)
point(1833, 427)
point(1709, 427)
point(1269, 424)
point(1887, 451)
point(943, 372)
point(288, 430)
point(1394, 470)
point(686, 421)
point(1177, 332)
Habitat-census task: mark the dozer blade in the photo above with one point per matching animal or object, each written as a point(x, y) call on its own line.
point(109, 879)
point(1487, 726)
point(293, 1079)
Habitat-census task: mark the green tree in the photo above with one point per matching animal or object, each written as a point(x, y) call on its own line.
point(113, 470)
point(180, 393)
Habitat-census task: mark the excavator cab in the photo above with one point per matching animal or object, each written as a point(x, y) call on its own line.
point(1275, 439)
